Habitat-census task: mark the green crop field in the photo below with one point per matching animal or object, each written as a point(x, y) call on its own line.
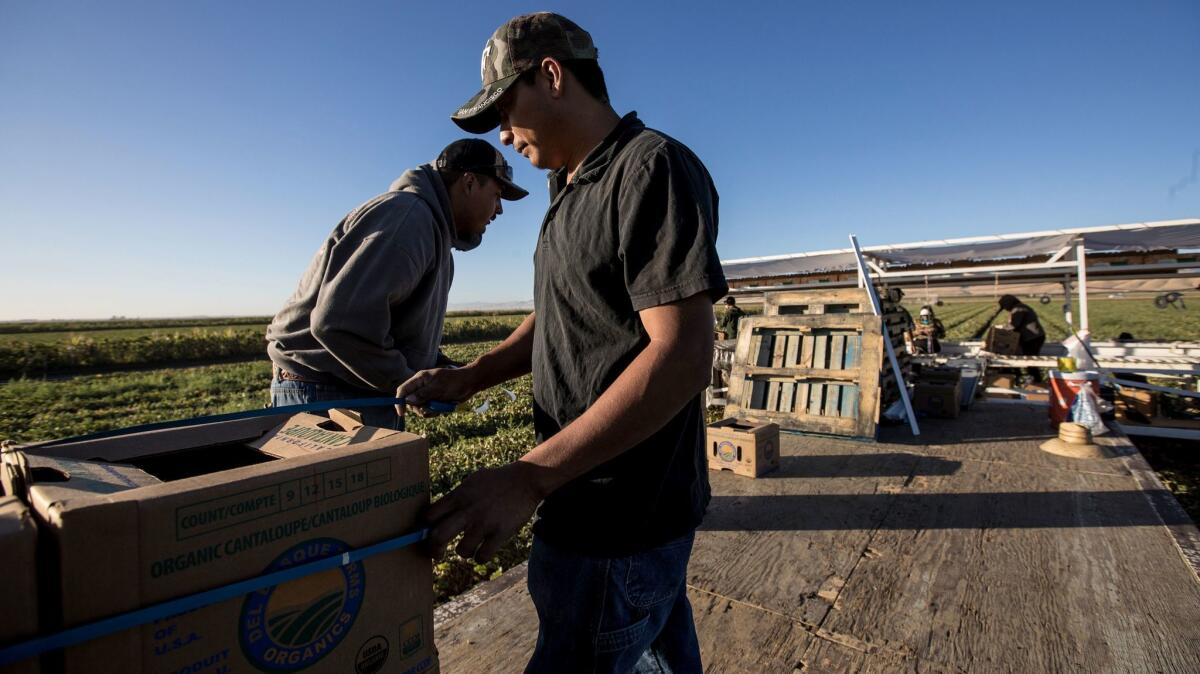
point(32, 353)
point(1108, 318)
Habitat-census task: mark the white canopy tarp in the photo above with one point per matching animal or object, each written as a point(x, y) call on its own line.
point(1169, 235)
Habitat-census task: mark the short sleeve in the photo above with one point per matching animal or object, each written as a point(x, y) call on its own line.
point(668, 230)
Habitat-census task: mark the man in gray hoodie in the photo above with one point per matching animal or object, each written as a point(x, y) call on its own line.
point(369, 309)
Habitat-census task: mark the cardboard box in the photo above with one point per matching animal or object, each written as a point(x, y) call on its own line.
point(18, 593)
point(940, 374)
point(1002, 341)
point(135, 520)
point(936, 399)
point(1136, 405)
point(746, 448)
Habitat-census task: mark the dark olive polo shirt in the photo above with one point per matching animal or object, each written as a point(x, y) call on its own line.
point(636, 228)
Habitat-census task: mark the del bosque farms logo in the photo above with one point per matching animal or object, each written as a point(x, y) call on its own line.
point(291, 626)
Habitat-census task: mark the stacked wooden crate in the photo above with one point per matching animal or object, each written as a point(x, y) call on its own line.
point(814, 361)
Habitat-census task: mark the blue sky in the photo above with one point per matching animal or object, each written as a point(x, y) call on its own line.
point(186, 158)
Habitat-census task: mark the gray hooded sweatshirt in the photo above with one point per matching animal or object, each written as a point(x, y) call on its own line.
point(370, 307)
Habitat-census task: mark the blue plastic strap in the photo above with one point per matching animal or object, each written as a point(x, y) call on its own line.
point(125, 621)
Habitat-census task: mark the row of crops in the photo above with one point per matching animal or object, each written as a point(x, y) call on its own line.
point(38, 356)
point(460, 443)
point(166, 324)
point(1108, 319)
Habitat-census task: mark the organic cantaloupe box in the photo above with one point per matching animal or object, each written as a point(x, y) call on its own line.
point(139, 519)
point(18, 592)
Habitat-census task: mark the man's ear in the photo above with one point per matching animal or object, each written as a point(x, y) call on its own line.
point(469, 182)
point(553, 71)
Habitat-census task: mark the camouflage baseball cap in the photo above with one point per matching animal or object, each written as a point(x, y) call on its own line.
point(520, 44)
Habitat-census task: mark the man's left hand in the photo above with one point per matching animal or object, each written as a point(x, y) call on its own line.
point(488, 508)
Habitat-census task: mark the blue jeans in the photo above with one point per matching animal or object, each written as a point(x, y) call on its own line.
point(286, 392)
point(601, 615)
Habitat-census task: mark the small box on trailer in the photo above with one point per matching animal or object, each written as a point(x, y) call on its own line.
point(134, 520)
point(746, 448)
point(1136, 405)
point(937, 399)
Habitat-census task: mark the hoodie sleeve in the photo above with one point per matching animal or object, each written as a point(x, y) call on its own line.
point(386, 250)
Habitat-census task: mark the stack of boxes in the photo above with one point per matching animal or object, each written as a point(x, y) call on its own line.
point(134, 520)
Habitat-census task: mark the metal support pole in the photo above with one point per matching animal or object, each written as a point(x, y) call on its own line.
point(864, 279)
point(1066, 307)
point(1081, 261)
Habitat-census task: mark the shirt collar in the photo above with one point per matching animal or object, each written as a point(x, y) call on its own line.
point(602, 155)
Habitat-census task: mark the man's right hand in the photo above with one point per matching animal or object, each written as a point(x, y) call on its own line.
point(451, 385)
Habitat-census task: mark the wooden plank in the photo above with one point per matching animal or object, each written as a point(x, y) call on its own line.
point(778, 349)
point(806, 352)
point(766, 342)
point(837, 352)
point(793, 350)
point(772, 401)
point(750, 355)
point(790, 570)
point(811, 373)
point(853, 351)
point(787, 391)
point(849, 406)
point(816, 399)
point(840, 308)
point(776, 303)
point(833, 399)
point(1060, 531)
point(820, 351)
point(736, 637)
point(808, 423)
point(506, 623)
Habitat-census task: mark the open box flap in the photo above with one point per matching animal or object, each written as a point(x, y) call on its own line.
point(305, 433)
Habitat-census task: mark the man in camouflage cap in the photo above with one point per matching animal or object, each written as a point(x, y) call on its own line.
point(620, 347)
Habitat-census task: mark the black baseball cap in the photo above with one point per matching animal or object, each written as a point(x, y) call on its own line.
point(474, 155)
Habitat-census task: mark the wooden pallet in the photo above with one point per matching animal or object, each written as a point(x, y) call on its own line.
point(853, 301)
point(816, 302)
point(817, 373)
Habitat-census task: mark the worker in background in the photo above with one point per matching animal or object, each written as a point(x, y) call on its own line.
point(620, 345)
point(896, 295)
point(1024, 320)
point(729, 320)
point(369, 309)
point(928, 331)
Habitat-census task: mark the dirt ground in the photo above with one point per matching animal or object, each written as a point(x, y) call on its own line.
point(1177, 463)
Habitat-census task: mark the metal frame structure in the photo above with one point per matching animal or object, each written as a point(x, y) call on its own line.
point(864, 279)
point(1070, 260)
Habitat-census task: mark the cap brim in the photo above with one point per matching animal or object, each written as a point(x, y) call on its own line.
point(510, 191)
point(479, 115)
